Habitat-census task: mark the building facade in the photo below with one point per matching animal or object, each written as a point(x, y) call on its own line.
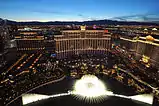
point(34, 41)
point(143, 48)
point(75, 42)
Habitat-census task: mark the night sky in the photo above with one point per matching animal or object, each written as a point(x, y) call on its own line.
point(74, 10)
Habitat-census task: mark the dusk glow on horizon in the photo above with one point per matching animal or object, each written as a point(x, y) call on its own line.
point(74, 10)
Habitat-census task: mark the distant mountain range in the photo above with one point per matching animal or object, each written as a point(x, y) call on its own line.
point(97, 22)
point(149, 17)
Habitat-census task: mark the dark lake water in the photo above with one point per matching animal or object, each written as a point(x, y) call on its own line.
point(67, 84)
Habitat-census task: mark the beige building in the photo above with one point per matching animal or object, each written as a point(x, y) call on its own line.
point(74, 42)
point(143, 47)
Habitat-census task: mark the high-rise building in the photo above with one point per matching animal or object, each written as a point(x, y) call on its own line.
point(33, 40)
point(74, 42)
point(2, 56)
point(143, 47)
point(7, 45)
point(1, 41)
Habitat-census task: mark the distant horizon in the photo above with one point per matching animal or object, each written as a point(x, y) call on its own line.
point(76, 20)
point(79, 10)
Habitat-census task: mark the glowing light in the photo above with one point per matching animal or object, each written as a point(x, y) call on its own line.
point(90, 88)
point(30, 98)
point(83, 28)
point(145, 59)
point(146, 98)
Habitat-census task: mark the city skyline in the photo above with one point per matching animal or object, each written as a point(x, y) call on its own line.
point(83, 10)
point(71, 49)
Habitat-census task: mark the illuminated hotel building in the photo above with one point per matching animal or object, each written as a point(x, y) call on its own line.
point(74, 42)
point(33, 41)
point(30, 45)
point(144, 48)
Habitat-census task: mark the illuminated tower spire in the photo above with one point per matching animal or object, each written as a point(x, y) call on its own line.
point(83, 27)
